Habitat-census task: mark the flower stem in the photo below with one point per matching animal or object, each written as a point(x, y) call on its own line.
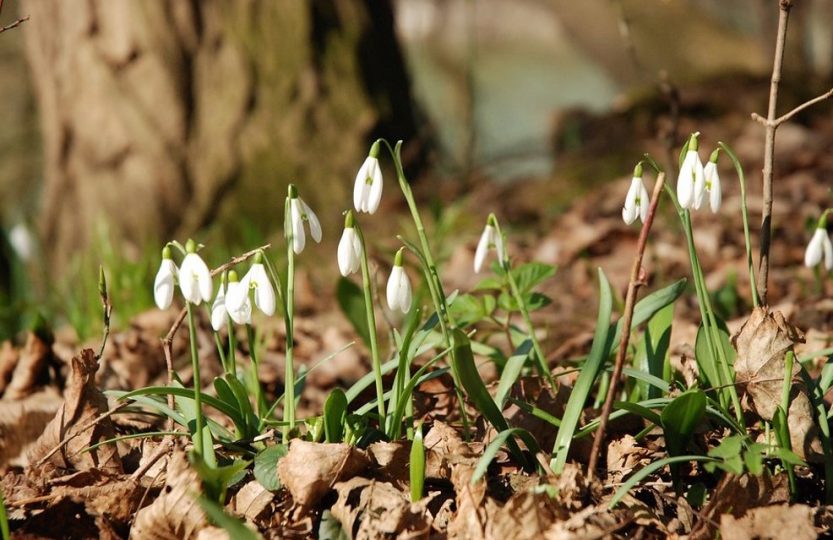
point(371, 327)
point(195, 364)
point(259, 402)
point(289, 378)
point(231, 357)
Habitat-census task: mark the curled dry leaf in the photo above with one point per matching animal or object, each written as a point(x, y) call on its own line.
point(251, 501)
point(525, 515)
point(378, 510)
point(762, 344)
point(23, 421)
point(83, 403)
point(31, 368)
point(310, 469)
point(175, 513)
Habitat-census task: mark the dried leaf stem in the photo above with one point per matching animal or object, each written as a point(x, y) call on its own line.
point(636, 280)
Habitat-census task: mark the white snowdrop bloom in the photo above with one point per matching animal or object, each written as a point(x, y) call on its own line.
point(399, 287)
point(299, 213)
point(489, 239)
point(165, 282)
point(22, 241)
point(195, 277)
point(636, 201)
point(367, 190)
point(349, 248)
point(691, 183)
point(241, 313)
point(820, 247)
point(218, 310)
point(712, 182)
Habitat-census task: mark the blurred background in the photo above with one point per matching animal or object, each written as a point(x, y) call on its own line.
point(127, 123)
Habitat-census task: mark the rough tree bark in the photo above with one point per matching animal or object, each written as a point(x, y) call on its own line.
point(159, 116)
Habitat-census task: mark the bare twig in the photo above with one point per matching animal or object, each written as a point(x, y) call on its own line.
point(14, 24)
point(636, 279)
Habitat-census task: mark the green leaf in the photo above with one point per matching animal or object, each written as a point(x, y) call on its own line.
point(531, 274)
point(217, 479)
point(654, 348)
point(331, 528)
point(504, 437)
point(584, 384)
point(335, 411)
point(417, 465)
point(639, 410)
point(707, 364)
point(646, 471)
point(351, 301)
point(681, 417)
point(469, 309)
point(511, 371)
point(266, 467)
point(729, 447)
point(233, 526)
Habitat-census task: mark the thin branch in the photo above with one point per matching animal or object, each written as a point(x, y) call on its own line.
point(636, 280)
point(769, 148)
point(14, 24)
point(786, 117)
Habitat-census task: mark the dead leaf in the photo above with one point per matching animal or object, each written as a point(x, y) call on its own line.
point(378, 510)
point(624, 455)
point(83, 403)
point(175, 514)
point(251, 501)
point(31, 368)
point(23, 421)
point(310, 469)
point(525, 515)
point(771, 522)
point(762, 344)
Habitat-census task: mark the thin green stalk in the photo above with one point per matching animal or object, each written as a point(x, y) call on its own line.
point(195, 363)
point(259, 400)
point(371, 327)
point(231, 358)
point(516, 293)
point(289, 378)
point(784, 425)
point(221, 351)
point(433, 279)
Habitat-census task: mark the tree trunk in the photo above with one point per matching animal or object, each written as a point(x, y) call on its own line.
point(159, 117)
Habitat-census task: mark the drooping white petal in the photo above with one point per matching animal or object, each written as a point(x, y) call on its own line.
point(22, 241)
point(399, 290)
point(164, 284)
point(314, 224)
point(264, 291)
point(686, 180)
point(486, 240)
point(375, 195)
point(827, 248)
point(499, 248)
point(218, 310)
point(361, 188)
point(241, 314)
point(631, 209)
point(349, 252)
point(405, 295)
point(815, 249)
point(236, 295)
point(644, 201)
point(297, 222)
point(195, 279)
point(713, 186)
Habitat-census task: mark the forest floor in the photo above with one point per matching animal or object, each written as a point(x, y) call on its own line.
point(53, 409)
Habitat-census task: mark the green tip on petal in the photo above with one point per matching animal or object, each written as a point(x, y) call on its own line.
point(348, 220)
point(293, 191)
point(823, 220)
point(166, 253)
point(637, 171)
point(397, 260)
point(715, 155)
point(492, 220)
point(374, 150)
point(258, 259)
point(190, 246)
point(694, 144)
point(232, 277)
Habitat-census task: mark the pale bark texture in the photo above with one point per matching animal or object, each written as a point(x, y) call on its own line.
point(159, 117)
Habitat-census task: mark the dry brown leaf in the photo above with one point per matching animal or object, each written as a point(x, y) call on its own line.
point(392, 462)
point(473, 507)
point(624, 455)
point(251, 501)
point(762, 344)
point(22, 422)
point(83, 403)
point(175, 514)
point(771, 522)
point(525, 515)
point(31, 368)
point(310, 469)
point(378, 510)
point(9, 356)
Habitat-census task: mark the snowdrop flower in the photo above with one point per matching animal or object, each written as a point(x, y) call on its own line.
point(691, 184)
point(218, 309)
point(820, 246)
point(399, 287)
point(165, 282)
point(349, 248)
point(712, 181)
point(367, 191)
point(489, 239)
point(242, 313)
point(299, 212)
point(22, 241)
point(637, 201)
point(255, 279)
point(194, 276)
